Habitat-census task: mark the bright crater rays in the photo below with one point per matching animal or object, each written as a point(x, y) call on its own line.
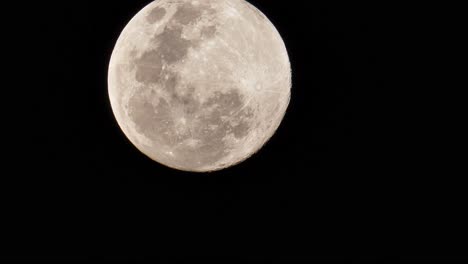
point(199, 85)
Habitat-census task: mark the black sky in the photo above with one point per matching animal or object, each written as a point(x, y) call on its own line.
point(325, 187)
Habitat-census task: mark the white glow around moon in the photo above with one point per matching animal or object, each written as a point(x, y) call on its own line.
point(199, 85)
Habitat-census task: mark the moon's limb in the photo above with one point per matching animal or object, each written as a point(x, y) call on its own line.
point(199, 85)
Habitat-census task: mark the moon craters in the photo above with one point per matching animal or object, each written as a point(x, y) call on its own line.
point(156, 14)
point(190, 95)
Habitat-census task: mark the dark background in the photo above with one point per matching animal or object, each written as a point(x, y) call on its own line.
point(336, 182)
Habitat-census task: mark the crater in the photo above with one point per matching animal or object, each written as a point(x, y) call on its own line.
point(210, 129)
point(149, 67)
point(170, 84)
point(187, 101)
point(156, 15)
point(221, 115)
point(226, 102)
point(172, 48)
point(188, 13)
point(153, 122)
point(208, 31)
point(229, 114)
point(242, 128)
point(169, 46)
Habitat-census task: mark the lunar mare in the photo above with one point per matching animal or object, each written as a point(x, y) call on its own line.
point(199, 85)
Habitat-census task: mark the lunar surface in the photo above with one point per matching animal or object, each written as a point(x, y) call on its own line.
point(199, 85)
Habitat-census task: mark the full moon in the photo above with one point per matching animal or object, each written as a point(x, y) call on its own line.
point(199, 85)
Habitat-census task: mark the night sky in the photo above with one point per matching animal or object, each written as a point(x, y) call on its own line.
point(325, 187)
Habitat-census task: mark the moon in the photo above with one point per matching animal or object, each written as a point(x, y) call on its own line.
point(199, 85)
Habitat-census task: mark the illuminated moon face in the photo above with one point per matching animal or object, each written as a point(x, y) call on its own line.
point(199, 85)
